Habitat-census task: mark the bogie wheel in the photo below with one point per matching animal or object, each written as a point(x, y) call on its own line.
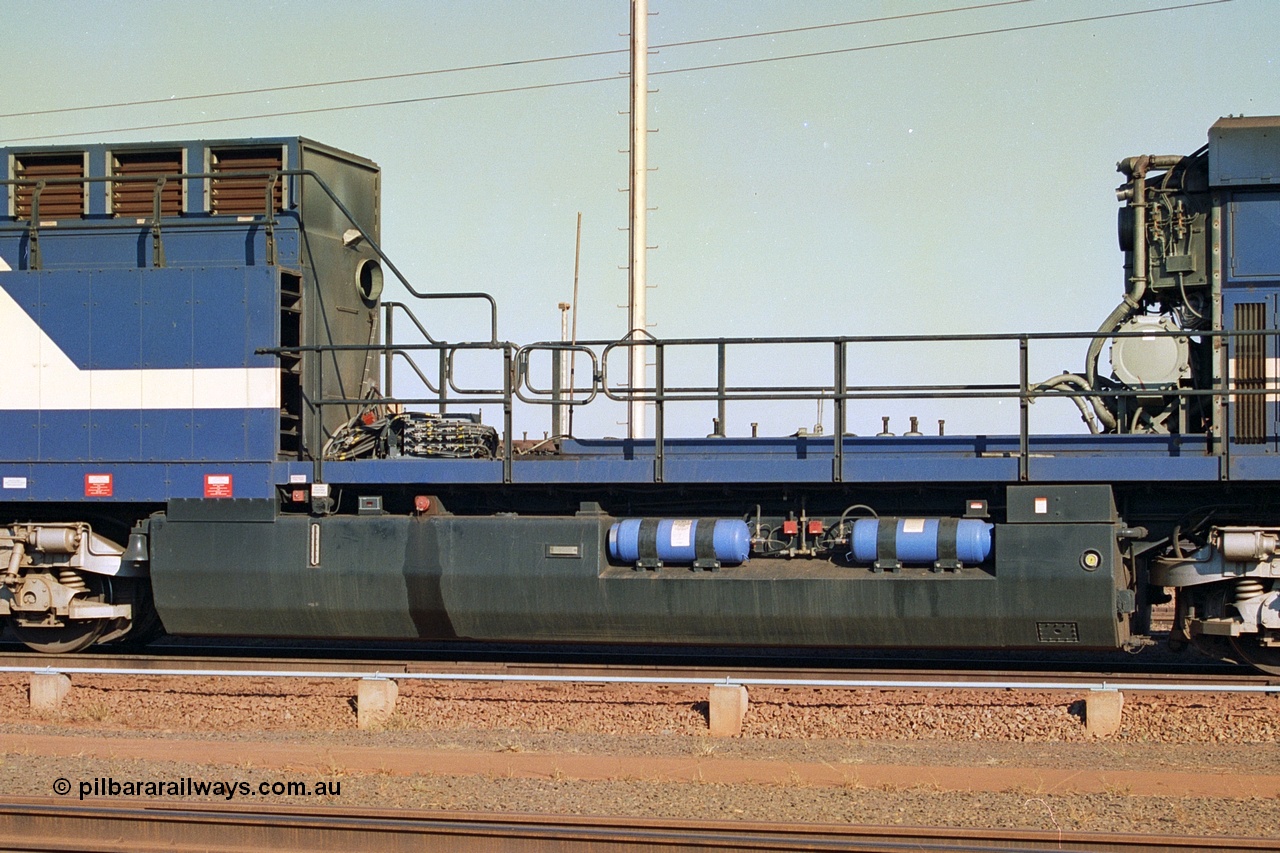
point(70, 635)
point(145, 625)
point(1261, 657)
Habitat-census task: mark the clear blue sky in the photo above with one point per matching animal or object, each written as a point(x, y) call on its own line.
point(953, 185)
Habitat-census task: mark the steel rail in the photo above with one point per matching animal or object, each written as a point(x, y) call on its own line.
point(890, 668)
point(645, 661)
point(50, 825)
point(673, 679)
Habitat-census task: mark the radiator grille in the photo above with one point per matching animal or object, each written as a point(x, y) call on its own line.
point(57, 201)
point(244, 195)
point(1251, 374)
point(137, 198)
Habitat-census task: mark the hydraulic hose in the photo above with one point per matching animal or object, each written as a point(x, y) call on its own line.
point(1081, 383)
point(1122, 312)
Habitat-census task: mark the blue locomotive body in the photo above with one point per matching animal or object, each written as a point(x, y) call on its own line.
point(198, 431)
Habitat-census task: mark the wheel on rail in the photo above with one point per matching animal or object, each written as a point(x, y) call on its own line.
point(1252, 650)
point(1218, 648)
point(57, 635)
point(145, 625)
point(62, 639)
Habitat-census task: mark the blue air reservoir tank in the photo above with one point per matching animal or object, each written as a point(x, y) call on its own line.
point(919, 541)
point(680, 540)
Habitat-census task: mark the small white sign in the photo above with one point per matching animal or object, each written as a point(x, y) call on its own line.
point(681, 533)
point(15, 482)
point(1042, 506)
point(913, 525)
point(319, 490)
point(297, 479)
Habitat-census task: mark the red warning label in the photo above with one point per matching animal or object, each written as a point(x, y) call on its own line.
point(217, 486)
point(97, 485)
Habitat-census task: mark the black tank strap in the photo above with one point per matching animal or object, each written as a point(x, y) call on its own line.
point(947, 528)
point(887, 539)
point(704, 546)
point(647, 539)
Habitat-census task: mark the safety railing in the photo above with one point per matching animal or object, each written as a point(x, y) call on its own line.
point(267, 219)
point(158, 221)
point(521, 383)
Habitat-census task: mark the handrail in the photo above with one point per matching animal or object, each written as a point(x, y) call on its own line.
point(373, 244)
point(475, 294)
point(270, 176)
point(557, 349)
point(520, 384)
point(413, 365)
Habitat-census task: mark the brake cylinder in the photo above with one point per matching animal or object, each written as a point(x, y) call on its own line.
point(55, 540)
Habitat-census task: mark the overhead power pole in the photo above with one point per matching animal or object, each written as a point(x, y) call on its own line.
point(636, 314)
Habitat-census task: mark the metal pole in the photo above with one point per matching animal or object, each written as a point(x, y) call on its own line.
point(841, 416)
point(33, 228)
point(1024, 402)
point(443, 379)
point(722, 415)
point(659, 415)
point(507, 422)
point(559, 409)
point(387, 353)
point(573, 355)
point(637, 321)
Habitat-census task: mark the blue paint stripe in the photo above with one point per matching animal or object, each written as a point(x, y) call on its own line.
point(130, 435)
point(134, 483)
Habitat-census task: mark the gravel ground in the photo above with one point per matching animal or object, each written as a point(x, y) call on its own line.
point(952, 738)
point(887, 806)
point(140, 703)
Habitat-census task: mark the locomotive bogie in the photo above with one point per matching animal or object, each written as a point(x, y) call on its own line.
point(1229, 589)
point(58, 582)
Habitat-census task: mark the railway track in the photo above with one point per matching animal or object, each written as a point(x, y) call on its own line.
point(503, 670)
point(1111, 663)
point(47, 826)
